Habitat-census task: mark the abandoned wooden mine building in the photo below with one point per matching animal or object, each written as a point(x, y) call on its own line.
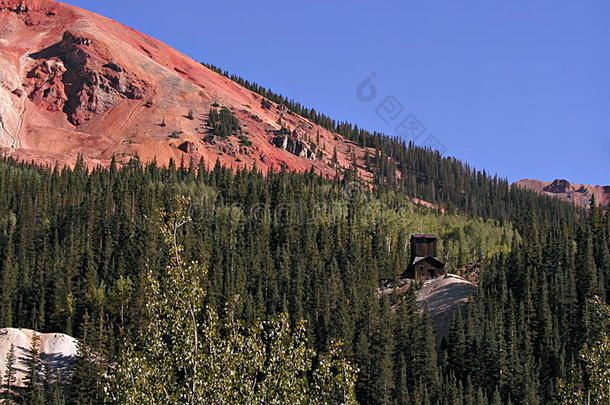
point(424, 263)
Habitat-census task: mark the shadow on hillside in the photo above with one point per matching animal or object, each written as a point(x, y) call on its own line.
point(55, 367)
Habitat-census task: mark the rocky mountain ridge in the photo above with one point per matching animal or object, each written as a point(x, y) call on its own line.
point(76, 83)
point(579, 194)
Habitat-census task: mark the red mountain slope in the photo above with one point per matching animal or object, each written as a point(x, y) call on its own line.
point(73, 82)
point(580, 194)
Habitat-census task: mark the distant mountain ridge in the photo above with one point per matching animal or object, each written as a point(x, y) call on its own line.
point(579, 194)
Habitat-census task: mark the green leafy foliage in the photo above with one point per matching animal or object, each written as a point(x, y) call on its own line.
point(588, 381)
point(185, 354)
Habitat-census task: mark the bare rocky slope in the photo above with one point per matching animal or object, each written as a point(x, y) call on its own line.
point(579, 194)
point(441, 297)
point(75, 83)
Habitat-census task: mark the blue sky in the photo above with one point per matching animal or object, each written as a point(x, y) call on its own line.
point(519, 88)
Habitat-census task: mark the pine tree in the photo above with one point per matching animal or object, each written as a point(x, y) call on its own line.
point(381, 356)
point(89, 366)
point(586, 268)
point(8, 278)
point(601, 246)
point(33, 392)
point(497, 399)
point(9, 378)
point(54, 388)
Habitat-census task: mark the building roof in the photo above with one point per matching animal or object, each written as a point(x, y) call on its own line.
point(421, 258)
point(424, 236)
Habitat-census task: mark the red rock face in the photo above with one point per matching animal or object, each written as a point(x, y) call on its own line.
point(85, 81)
point(44, 83)
point(188, 147)
point(579, 194)
point(21, 6)
point(559, 186)
point(76, 83)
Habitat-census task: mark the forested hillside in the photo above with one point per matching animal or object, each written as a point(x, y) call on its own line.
point(426, 174)
point(210, 241)
point(78, 249)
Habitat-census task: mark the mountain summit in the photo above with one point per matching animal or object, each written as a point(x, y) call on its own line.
point(76, 83)
point(579, 194)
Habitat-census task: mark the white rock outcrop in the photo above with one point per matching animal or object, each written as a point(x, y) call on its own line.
point(57, 350)
point(441, 297)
